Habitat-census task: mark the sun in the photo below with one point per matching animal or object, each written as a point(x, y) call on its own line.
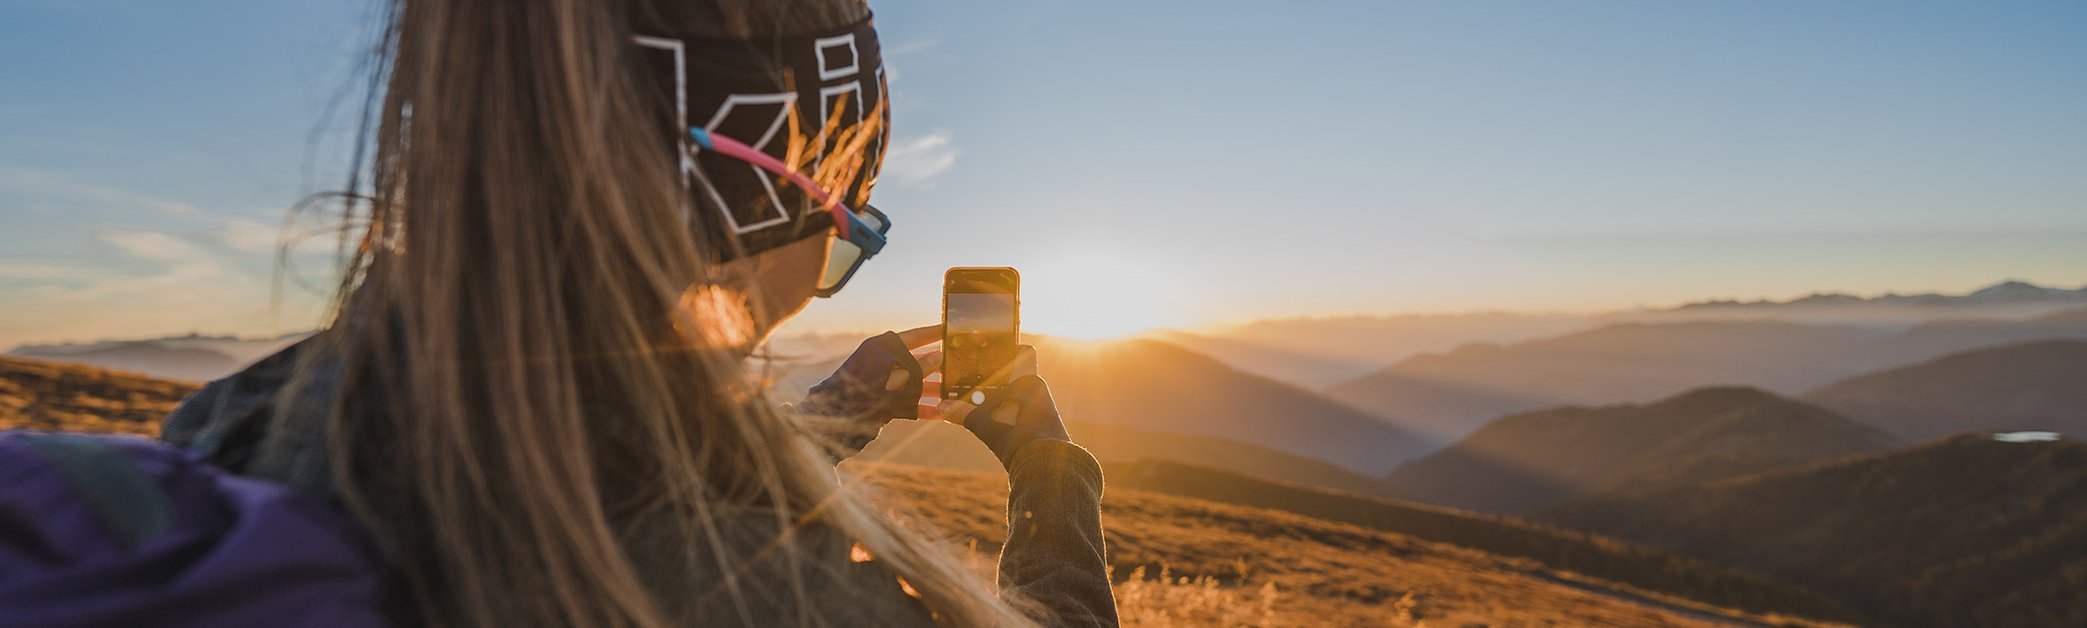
point(1097, 296)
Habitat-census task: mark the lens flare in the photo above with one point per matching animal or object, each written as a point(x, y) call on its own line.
point(1098, 296)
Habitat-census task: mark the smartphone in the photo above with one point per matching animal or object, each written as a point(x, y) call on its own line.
point(981, 329)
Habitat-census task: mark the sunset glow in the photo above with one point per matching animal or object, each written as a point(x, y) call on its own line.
point(1095, 295)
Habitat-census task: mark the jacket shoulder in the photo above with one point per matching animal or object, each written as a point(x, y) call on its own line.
point(222, 417)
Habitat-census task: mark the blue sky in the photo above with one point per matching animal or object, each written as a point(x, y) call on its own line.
point(1172, 163)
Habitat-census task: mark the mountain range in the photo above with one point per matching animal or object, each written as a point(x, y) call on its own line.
point(2029, 386)
point(1966, 531)
point(193, 357)
point(1449, 394)
point(1179, 561)
point(2010, 292)
point(1535, 459)
point(1321, 352)
point(1155, 386)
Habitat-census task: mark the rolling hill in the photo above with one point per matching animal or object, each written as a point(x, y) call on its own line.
point(1530, 460)
point(2032, 386)
point(938, 444)
point(1448, 395)
point(1228, 565)
point(1965, 531)
point(1158, 387)
point(1940, 338)
point(1591, 556)
point(1318, 352)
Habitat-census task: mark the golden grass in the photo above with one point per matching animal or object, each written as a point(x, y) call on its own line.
point(1227, 565)
point(50, 396)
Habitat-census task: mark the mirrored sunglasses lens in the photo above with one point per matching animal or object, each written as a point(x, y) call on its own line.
point(841, 256)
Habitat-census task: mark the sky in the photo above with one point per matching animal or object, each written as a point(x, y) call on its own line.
point(1165, 163)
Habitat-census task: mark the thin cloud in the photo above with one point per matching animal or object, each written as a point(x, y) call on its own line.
point(918, 160)
point(38, 181)
point(145, 282)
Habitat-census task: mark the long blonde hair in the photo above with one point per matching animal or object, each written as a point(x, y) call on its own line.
point(518, 387)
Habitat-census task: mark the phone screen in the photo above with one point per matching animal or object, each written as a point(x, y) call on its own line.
point(980, 328)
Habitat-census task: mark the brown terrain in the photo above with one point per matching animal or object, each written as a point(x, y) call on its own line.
point(1970, 530)
point(1179, 561)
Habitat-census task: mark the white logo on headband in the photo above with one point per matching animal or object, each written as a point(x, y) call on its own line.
point(767, 115)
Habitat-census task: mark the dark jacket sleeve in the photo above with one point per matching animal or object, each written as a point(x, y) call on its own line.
point(1054, 556)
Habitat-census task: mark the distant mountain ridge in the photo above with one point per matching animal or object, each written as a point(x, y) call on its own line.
point(1447, 395)
point(193, 357)
point(2029, 386)
point(1156, 386)
point(2010, 291)
point(1964, 531)
point(1527, 461)
point(1318, 352)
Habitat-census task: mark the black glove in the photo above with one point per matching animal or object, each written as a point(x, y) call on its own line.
point(881, 381)
point(1015, 415)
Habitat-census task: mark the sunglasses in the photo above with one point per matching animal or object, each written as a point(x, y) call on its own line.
point(859, 234)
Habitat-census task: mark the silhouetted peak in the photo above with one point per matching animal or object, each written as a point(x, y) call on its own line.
point(1715, 399)
point(2015, 290)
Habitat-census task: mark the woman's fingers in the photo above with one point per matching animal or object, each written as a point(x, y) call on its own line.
point(954, 411)
point(1024, 365)
point(918, 337)
point(899, 377)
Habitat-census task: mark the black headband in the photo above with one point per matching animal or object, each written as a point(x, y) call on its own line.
point(748, 90)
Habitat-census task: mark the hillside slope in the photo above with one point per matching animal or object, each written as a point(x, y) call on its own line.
point(939, 444)
point(2032, 386)
point(1592, 556)
point(1322, 573)
point(1320, 352)
point(1155, 386)
point(1447, 395)
point(52, 396)
point(1530, 460)
point(1959, 532)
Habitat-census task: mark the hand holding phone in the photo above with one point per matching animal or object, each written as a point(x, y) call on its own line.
point(1013, 416)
